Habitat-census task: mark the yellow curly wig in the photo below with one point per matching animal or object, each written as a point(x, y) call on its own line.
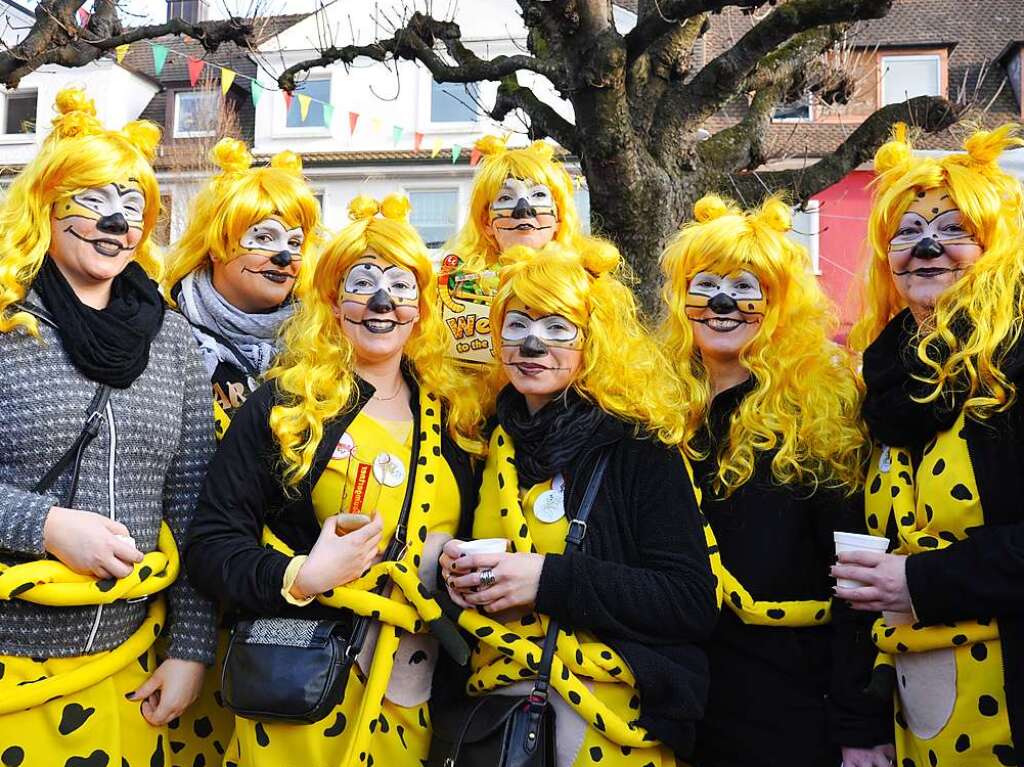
point(315, 372)
point(623, 370)
point(805, 404)
point(235, 199)
point(990, 295)
point(78, 154)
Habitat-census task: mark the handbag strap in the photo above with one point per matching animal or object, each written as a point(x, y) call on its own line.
point(573, 540)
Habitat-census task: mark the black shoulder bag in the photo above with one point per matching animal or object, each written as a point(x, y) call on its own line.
point(512, 731)
point(293, 669)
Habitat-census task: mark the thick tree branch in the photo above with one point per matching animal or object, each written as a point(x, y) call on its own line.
point(662, 16)
point(416, 41)
point(741, 146)
point(56, 38)
point(544, 121)
point(930, 113)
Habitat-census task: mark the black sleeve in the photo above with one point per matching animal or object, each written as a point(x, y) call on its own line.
point(857, 718)
point(667, 594)
point(224, 557)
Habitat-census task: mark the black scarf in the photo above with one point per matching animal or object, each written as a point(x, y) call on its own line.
point(549, 440)
point(111, 345)
point(891, 372)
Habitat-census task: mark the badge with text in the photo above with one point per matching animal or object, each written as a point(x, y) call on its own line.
point(388, 470)
point(345, 448)
point(550, 505)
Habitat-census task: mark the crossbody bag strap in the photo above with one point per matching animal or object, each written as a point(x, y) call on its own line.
point(573, 540)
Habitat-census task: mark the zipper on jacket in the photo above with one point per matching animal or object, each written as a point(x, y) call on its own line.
point(111, 452)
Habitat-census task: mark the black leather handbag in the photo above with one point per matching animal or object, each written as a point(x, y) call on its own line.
point(511, 731)
point(295, 670)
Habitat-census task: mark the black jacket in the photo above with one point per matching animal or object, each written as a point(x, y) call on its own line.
point(981, 576)
point(642, 582)
point(783, 695)
point(243, 492)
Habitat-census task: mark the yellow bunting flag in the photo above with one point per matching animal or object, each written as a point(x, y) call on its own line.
point(304, 102)
point(121, 51)
point(435, 147)
point(376, 124)
point(227, 76)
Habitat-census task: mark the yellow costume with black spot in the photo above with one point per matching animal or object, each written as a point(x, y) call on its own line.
point(586, 674)
point(950, 699)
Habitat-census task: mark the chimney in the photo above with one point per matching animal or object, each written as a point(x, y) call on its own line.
point(191, 11)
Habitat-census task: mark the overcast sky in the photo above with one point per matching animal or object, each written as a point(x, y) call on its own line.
point(148, 11)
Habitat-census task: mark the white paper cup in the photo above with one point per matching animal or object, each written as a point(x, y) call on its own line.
point(857, 542)
point(484, 546)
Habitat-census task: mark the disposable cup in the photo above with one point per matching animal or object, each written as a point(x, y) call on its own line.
point(484, 546)
point(857, 542)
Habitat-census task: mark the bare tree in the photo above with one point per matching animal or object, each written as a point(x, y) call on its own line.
point(640, 99)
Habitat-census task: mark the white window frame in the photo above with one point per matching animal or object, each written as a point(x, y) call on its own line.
point(883, 66)
point(177, 112)
point(434, 186)
point(280, 119)
point(808, 119)
point(17, 138)
point(809, 217)
point(426, 92)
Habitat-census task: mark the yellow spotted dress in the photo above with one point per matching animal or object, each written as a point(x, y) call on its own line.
point(596, 700)
point(390, 724)
point(950, 705)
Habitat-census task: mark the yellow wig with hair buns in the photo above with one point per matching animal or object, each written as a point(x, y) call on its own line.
point(805, 404)
point(235, 199)
point(473, 243)
point(989, 298)
point(623, 370)
point(315, 372)
point(78, 154)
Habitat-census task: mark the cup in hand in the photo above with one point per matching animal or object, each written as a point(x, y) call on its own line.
point(857, 542)
point(484, 546)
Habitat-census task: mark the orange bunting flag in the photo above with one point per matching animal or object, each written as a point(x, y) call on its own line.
point(417, 141)
point(287, 99)
point(353, 118)
point(195, 66)
point(121, 51)
point(304, 102)
point(227, 76)
point(474, 156)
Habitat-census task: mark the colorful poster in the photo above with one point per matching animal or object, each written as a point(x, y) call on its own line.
point(465, 310)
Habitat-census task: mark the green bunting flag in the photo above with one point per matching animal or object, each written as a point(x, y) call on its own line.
point(257, 91)
point(159, 58)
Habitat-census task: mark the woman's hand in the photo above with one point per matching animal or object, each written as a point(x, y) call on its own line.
point(337, 559)
point(514, 580)
point(879, 756)
point(90, 543)
point(173, 687)
point(884, 577)
point(449, 554)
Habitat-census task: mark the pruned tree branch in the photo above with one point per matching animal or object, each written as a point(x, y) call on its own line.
point(662, 16)
point(930, 113)
point(741, 146)
point(544, 121)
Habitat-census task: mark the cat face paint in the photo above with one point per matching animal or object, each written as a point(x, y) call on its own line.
point(378, 307)
point(94, 233)
point(930, 250)
point(541, 353)
point(551, 330)
point(523, 213)
point(261, 274)
point(711, 297)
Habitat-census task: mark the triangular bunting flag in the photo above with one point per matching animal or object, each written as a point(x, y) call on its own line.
point(417, 141)
point(257, 91)
point(195, 67)
point(159, 58)
point(396, 134)
point(353, 118)
point(304, 102)
point(227, 76)
point(328, 114)
point(121, 51)
point(474, 156)
point(375, 124)
point(435, 147)
point(83, 17)
point(456, 152)
point(287, 99)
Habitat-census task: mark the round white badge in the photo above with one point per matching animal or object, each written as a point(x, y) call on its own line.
point(345, 447)
point(885, 460)
point(388, 470)
point(550, 505)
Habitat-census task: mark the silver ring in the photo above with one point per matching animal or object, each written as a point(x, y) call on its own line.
point(487, 578)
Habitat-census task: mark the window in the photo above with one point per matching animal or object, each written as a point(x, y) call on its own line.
point(794, 111)
point(806, 231)
point(904, 77)
point(318, 89)
point(453, 102)
point(582, 200)
point(20, 112)
point(195, 113)
point(434, 214)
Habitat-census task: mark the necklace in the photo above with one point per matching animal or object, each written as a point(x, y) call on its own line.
point(388, 399)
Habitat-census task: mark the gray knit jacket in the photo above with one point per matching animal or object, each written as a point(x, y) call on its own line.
point(146, 465)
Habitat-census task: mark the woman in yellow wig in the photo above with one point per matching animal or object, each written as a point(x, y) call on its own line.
point(232, 275)
point(942, 367)
point(583, 383)
point(106, 434)
point(520, 197)
point(323, 454)
point(773, 429)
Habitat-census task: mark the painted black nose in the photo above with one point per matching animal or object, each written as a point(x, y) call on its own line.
point(282, 259)
point(380, 302)
point(721, 303)
point(927, 249)
point(533, 347)
point(523, 209)
point(115, 223)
